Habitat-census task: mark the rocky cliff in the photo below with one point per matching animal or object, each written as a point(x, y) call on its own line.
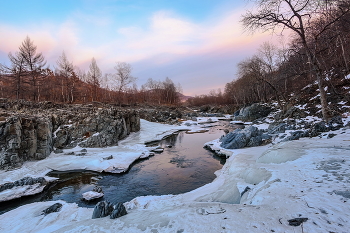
point(32, 133)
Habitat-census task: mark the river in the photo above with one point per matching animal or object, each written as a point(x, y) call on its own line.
point(184, 165)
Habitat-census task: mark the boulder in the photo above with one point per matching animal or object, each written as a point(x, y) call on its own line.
point(336, 122)
point(119, 210)
point(102, 209)
point(292, 112)
point(253, 112)
point(297, 221)
point(97, 189)
point(249, 136)
point(54, 208)
point(296, 135)
point(318, 128)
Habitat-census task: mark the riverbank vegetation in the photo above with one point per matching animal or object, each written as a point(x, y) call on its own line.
point(311, 65)
point(315, 60)
point(28, 77)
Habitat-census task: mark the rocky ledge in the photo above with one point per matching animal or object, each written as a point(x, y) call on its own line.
point(32, 132)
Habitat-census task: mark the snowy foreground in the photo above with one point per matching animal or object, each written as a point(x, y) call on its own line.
point(258, 190)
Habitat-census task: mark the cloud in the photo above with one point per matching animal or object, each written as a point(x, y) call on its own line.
point(199, 55)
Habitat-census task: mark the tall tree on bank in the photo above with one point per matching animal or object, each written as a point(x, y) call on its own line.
point(16, 72)
point(64, 70)
point(297, 16)
point(34, 64)
point(94, 76)
point(122, 78)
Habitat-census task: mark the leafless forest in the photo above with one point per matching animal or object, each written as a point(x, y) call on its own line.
point(315, 58)
point(28, 77)
point(317, 55)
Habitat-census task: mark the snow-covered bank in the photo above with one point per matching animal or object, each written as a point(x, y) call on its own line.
point(95, 159)
point(114, 159)
point(258, 190)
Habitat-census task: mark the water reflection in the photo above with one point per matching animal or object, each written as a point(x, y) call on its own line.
point(183, 166)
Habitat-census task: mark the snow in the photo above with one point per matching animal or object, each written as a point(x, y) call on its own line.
point(301, 106)
point(240, 122)
point(306, 87)
point(30, 218)
point(315, 97)
point(91, 195)
point(20, 191)
point(128, 150)
point(306, 178)
point(262, 126)
point(95, 134)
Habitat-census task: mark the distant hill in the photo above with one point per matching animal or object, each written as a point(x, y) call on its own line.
point(183, 98)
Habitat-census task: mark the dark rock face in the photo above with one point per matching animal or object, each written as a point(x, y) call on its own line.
point(24, 138)
point(102, 209)
point(318, 128)
point(34, 134)
point(296, 135)
point(97, 189)
point(250, 136)
point(336, 123)
point(54, 208)
point(297, 221)
point(161, 114)
point(104, 128)
point(23, 181)
point(119, 210)
point(252, 112)
point(291, 112)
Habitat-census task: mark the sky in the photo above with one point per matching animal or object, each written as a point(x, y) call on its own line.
point(197, 43)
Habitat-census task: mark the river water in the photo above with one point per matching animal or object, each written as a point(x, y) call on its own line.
point(183, 166)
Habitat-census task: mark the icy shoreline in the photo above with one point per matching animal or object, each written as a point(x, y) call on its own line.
point(116, 159)
point(258, 190)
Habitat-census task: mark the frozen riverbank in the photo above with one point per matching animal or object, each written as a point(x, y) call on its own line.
point(114, 159)
point(256, 191)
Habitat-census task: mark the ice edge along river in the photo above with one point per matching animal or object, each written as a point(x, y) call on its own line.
point(308, 178)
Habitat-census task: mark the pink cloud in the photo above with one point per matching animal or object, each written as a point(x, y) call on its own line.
point(200, 56)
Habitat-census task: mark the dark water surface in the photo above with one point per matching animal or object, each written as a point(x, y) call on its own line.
point(183, 166)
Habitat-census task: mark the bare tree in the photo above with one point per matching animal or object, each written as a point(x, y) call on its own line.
point(15, 72)
point(64, 70)
point(94, 79)
point(34, 64)
point(122, 78)
point(297, 15)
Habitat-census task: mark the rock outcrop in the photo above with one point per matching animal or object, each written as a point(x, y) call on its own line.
point(32, 132)
point(252, 112)
point(22, 182)
point(104, 128)
point(119, 210)
point(105, 208)
point(102, 209)
point(52, 209)
point(26, 186)
point(248, 137)
point(24, 138)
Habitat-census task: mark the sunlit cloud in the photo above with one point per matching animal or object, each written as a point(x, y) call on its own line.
point(199, 55)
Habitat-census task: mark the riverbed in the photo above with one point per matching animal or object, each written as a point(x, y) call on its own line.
point(184, 165)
